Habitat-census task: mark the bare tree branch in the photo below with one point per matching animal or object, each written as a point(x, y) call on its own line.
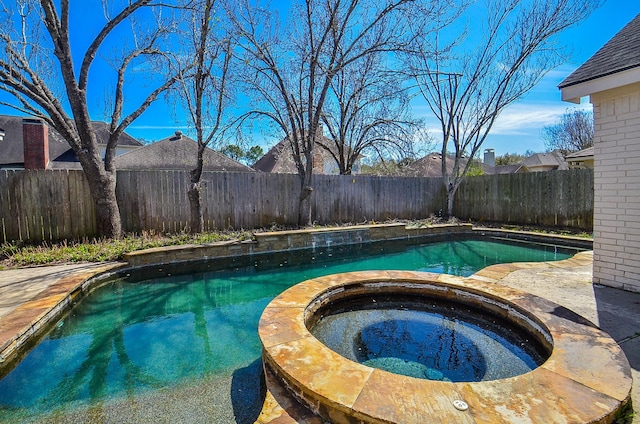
point(291, 69)
point(468, 87)
point(204, 87)
point(37, 71)
point(574, 132)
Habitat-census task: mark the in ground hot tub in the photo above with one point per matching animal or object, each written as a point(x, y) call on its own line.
point(400, 347)
point(415, 333)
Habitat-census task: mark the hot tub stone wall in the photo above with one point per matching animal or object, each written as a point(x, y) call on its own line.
point(587, 378)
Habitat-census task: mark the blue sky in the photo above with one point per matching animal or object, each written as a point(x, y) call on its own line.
point(519, 127)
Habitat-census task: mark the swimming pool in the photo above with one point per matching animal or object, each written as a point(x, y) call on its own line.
point(186, 341)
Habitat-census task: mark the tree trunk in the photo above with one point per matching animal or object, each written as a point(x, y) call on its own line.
point(304, 203)
point(103, 191)
point(195, 204)
point(451, 192)
point(304, 207)
point(194, 194)
point(450, 189)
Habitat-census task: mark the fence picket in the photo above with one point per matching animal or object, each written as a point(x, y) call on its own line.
point(56, 204)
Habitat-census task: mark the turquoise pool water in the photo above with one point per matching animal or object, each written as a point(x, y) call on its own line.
point(138, 336)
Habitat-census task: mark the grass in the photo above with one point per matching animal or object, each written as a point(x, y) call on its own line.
point(625, 415)
point(100, 250)
point(542, 230)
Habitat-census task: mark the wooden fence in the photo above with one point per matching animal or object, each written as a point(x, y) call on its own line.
point(158, 199)
point(554, 199)
point(54, 205)
point(45, 205)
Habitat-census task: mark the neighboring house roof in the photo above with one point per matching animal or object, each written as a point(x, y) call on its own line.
point(618, 58)
point(581, 159)
point(582, 154)
point(279, 159)
point(102, 134)
point(12, 146)
point(536, 162)
point(430, 166)
point(61, 156)
point(178, 152)
point(267, 163)
point(545, 161)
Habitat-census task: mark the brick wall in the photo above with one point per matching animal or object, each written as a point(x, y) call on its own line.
point(35, 136)
point(617, 188)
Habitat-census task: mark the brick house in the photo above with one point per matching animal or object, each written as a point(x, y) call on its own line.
point(611, 79)
point(29, 143)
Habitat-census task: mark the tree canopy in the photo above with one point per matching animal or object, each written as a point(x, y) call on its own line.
point(469, 76)
point(247, 156)
point(347, 66)
point(574, 132)
point(50, 74)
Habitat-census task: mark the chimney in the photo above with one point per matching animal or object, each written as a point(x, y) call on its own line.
point(35, 138)
point(489, 157)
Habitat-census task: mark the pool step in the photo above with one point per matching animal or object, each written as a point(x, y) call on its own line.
point(280, 407)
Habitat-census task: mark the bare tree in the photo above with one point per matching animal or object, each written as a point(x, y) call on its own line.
point(574, 132)
point(367, 111)
point(291, 68)
point(48, 79)
point(388, 167)
point(473, 76)
point(205, 90)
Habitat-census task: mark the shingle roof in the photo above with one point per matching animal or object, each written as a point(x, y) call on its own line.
point(12, 147)
point(102, 134)
point(60, 154)
point(430, 166)
point(178, 152)
point(621, 53)
point(585, 153)
point(545, 159)
point(279, 159)
point(268, 162)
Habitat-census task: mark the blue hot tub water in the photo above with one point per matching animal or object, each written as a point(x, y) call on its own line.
point(138, 334)
point(427, 338)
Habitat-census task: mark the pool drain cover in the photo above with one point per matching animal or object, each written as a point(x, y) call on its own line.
point(460, 405)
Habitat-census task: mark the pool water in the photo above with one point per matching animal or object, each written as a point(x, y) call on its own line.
point(137, 335)
point(427, 338)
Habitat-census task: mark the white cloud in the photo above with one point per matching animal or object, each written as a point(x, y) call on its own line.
point(521, 118)
point(517, 119)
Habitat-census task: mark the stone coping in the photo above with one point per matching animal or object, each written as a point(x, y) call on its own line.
point(586, 379)
point(277, 241)
point(21, 327)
